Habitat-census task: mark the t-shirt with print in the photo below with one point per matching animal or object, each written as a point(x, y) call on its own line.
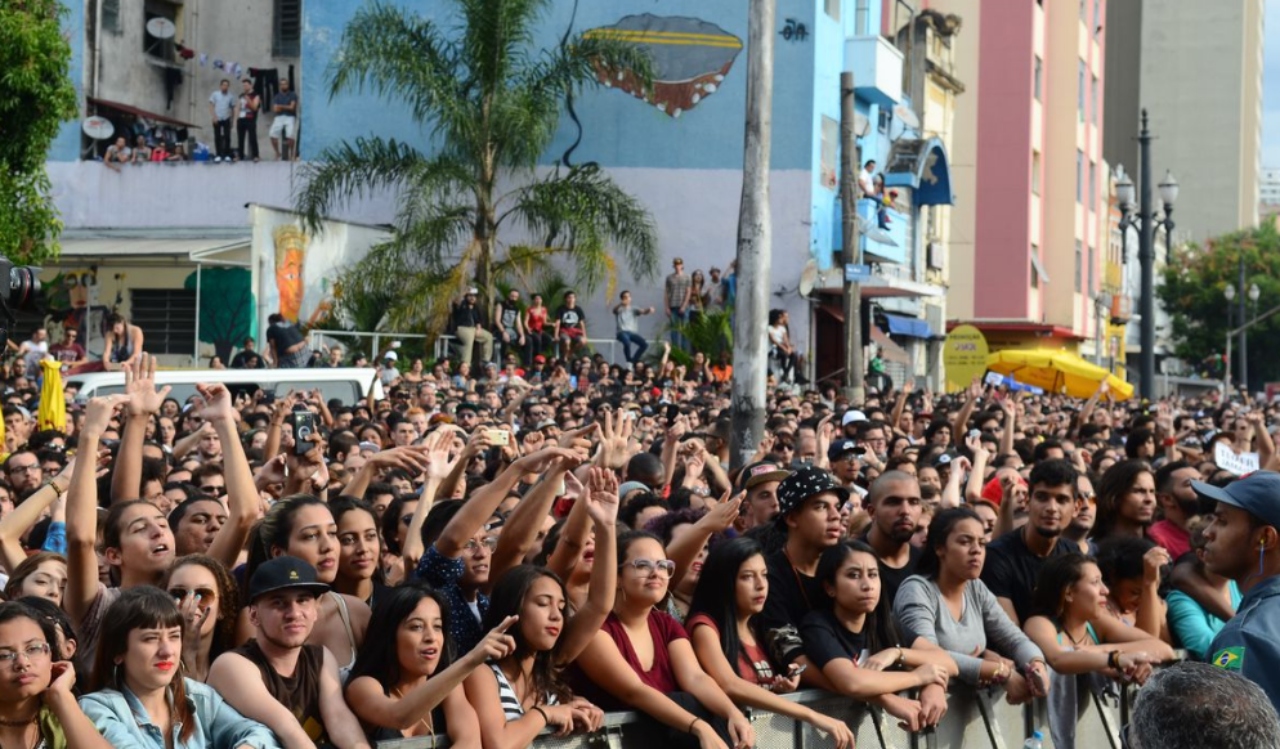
point(570, 317)
point(792, 595)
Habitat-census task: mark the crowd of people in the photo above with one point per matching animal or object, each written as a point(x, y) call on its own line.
point(487, 555)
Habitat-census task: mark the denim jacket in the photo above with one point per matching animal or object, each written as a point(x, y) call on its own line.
point(122, 720)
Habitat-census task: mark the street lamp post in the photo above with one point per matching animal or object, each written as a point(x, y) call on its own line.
point(1253, 294)
point(1147, 221)
point(1230, 294)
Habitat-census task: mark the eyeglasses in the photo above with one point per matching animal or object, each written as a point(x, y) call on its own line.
point(211, 489)
point(488, 543)
point(33, 468)
point(201, 594)
point(1089, 498)
point(32, 652)
point(646, 566)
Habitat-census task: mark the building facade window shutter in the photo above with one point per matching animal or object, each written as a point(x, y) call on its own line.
point(167, 318)
point(286, 35)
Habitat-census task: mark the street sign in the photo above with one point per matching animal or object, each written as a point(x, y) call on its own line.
point(854, 273)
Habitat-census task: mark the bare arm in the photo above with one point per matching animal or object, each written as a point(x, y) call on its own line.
point(486, 499)
point(241, 685)
point(244, 507)
point(339, 722)
point(82, 510)
point(27, 514)
point(899, 406)
point(521, 529)
point(144, 403)
point(601, 503)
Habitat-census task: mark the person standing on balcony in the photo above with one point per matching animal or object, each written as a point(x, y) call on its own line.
point(675, 297)
point(247, 121)
point(222, 108)
point(285, 124)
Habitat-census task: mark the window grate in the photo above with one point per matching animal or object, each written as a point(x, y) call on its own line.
point(286, 36)
point(167, 318)
point(111, 16)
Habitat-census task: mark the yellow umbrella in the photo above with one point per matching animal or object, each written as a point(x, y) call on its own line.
point(1057, 372)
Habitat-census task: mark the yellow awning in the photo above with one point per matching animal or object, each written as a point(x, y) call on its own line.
point(1057, 372)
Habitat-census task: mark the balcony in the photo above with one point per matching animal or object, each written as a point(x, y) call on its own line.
point(877, 69)
point(880, 252)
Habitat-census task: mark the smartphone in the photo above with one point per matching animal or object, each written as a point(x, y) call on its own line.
point(672, 412)
point(974, 434)
point(304, 426)
point(499, 437)
point(796, 669)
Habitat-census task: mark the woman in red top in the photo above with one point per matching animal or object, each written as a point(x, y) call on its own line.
point(535, 322)
point(643, 660)
point(724, 633)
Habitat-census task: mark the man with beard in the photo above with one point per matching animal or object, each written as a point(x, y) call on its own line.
point(895, 506)
point(276, 678)
point(1178, 499)
point(1014, 559)
point(1086, 511)
point(809, 503)
point(1243, 544)
point(24, 472)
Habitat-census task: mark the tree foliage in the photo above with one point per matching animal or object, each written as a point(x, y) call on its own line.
point(226, 307)
point(36, 96)
point(489, 103)
point(1192, 292)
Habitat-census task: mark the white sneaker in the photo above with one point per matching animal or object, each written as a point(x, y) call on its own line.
point(217, 159)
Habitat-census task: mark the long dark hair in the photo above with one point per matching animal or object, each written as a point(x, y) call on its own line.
point(716, 595)
point(224, 631)
point(341, 506)
point(930, 562)
point(1057, 574)
point(507, 599)
point(138, 608)
point(878, 632)
point(273, 531)
point(377, 657)
point(1111, 488)
point(53, 615)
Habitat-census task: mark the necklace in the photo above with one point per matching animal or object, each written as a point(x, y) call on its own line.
point(19, 723)
point(423, 721)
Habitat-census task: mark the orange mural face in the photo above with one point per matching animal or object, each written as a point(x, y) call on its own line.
point(291, 255)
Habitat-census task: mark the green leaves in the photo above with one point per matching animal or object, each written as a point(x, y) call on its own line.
point(1193, 289)
point(489, 103)
point(37, 96)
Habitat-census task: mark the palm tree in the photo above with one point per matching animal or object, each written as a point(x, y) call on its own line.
point(490, 103)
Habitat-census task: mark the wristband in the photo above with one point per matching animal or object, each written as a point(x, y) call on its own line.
point(1113, 660)
point(692, 723)
point(545, 720)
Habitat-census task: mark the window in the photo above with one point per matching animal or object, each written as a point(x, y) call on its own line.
point(1083, 16)
point(167, 318)
point(1039, 69)
point(1089, 274)
point(111, 16)
point(1093, 185)
point(286, 30)
point(1035, 265)
point(1093, 101)
point(862, 18)
point(833, 9)
point(882, 121)
point(1080, 91)
point(161, 48)
point(1079, 264)
point(1097, 17)
point(1035, 172)
point(1079, 176)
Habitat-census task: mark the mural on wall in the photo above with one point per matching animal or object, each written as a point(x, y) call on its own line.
point(291, 261)
point(226, 307)
point(690, 59)
point(71, 298)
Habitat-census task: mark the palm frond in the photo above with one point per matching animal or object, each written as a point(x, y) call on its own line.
point(353, 170)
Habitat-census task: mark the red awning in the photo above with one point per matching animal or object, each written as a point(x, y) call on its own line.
point(138, 112)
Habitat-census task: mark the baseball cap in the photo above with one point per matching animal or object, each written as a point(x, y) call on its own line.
point(852, 416)
point(390, 356)
point(840, 447)
point(473, 290)
point(993, 490)
point(540, 359)
point(631, 486)
point(1257, 494)
point(803, 484)
point(284, 573)
point(944, 459)
point(758, 473)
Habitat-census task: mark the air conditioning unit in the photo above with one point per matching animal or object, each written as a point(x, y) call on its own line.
point(935, 254)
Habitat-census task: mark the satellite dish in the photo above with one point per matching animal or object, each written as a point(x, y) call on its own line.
point(161, 28)
point(861, 125)
point(98, 128)
point(808, 277)
point(907, 117)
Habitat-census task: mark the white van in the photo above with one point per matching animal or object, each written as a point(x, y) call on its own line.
point(347, 384)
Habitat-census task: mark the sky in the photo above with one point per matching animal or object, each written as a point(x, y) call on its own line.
point(1271, 87)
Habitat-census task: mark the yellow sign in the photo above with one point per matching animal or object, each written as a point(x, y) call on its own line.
point(964, 355)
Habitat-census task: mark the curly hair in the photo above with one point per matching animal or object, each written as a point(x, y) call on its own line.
point(224, 632)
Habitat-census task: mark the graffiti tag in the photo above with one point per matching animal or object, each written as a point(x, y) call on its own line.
point(794, 31)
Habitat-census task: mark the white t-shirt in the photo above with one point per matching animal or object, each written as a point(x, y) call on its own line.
point(777, 334)
point(35, 353)
point(866, 180)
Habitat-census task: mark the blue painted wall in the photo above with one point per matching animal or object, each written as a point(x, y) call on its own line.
point(618, 130)
point(66, 147)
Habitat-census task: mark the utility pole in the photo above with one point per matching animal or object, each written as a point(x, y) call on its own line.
point(755, 242)
point(850, 161)
point(1244, 336)
point(1147, 261)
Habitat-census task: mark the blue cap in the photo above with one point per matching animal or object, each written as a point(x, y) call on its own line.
point(1257, 494)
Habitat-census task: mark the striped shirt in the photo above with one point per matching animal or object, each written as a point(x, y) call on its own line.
point(511, 707)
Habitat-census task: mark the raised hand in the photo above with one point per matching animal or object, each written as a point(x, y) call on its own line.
point(64, 679)
point(140, 386)
point(497, 644)
point(720, 515)
point(217, 403)
point(411, 458)
point(97, 415)
point(577, 439)
point(602, 496)
point(615, 440)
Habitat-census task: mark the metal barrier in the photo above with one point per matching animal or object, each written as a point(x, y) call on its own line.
point(444, 344)
point(974, 720)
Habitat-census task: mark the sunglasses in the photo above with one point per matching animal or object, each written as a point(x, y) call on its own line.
point(201, 594)
point(211, 489)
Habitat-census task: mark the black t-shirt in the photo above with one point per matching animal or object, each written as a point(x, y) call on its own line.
point(826, 639)
point(792, 595)
point(570, 317)
point(466, 315)
point(1011, 569)
point(891, 577)
point(247, 360)
point(285, 335)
